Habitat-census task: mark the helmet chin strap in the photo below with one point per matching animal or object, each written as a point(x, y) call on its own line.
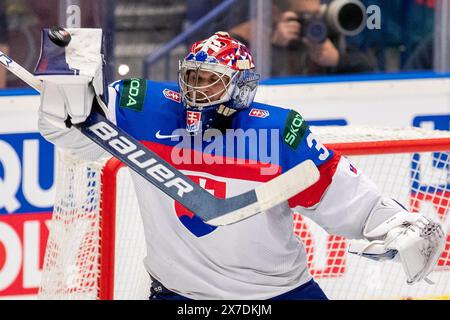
point(225, 111)
point(223, 120)
point(218, 117)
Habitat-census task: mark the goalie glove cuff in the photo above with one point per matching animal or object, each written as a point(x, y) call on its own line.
point(386, 215)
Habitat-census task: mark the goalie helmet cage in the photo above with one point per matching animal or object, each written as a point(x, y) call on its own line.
point(96, 244)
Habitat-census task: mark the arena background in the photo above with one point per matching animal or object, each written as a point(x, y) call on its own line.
point(147, 38)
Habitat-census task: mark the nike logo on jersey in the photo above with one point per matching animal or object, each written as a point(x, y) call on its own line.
point(158, 135)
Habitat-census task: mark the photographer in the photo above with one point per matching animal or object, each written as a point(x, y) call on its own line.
point(293, 53)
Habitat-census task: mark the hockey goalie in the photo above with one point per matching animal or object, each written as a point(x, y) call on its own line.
point(201, 116)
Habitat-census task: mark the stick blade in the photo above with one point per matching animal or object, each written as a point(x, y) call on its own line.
point(274, 192)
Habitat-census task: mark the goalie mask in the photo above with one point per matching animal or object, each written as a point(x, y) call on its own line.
point(216, 80)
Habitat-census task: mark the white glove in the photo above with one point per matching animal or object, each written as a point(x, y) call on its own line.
point(410, 238)
point(64, 96)
point(72, 76)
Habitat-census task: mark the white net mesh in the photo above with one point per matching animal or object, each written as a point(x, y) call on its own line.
point(96, 244)
point(131, 281)
point(419, 180)
point(346, 276)
point(71, 265)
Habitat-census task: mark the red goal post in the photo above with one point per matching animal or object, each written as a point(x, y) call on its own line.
point(96, 244)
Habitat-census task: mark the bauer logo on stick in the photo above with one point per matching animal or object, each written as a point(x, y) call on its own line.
point(59, 36)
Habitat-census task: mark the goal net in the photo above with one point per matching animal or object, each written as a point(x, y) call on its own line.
point(96, 244)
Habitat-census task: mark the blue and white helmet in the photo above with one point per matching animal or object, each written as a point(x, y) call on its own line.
point(216, 79)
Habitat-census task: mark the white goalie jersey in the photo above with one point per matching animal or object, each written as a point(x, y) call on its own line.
point(260, 257)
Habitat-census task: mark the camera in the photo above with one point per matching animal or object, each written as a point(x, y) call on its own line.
point(339, 17)
point(314, 28)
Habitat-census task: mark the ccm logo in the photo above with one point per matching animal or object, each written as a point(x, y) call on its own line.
point(135, 155)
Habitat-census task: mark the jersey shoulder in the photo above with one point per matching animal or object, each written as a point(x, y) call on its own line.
point(295, 140)
point(141, 95)
point(263, 116)
point(142, 107)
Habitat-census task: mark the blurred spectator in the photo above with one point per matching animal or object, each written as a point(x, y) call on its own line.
point(422, 43)
point(292, 55)
point(236, 14)
point(405, 25)
point(422, 57)
point(3, 40)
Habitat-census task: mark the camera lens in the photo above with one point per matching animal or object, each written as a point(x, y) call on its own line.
point(350, 17)
point(346, 17)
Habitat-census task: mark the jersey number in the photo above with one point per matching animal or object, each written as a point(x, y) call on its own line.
point(313, 142)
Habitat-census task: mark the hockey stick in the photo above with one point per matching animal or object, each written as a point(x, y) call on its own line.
point(212, 210)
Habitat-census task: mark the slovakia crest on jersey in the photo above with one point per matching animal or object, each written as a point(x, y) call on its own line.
point(193, 223)
point(172, 95)
point(193, 121)
point(259, 113)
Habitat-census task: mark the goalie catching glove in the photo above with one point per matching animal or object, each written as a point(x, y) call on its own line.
point(72, 77)
point(412, 239)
